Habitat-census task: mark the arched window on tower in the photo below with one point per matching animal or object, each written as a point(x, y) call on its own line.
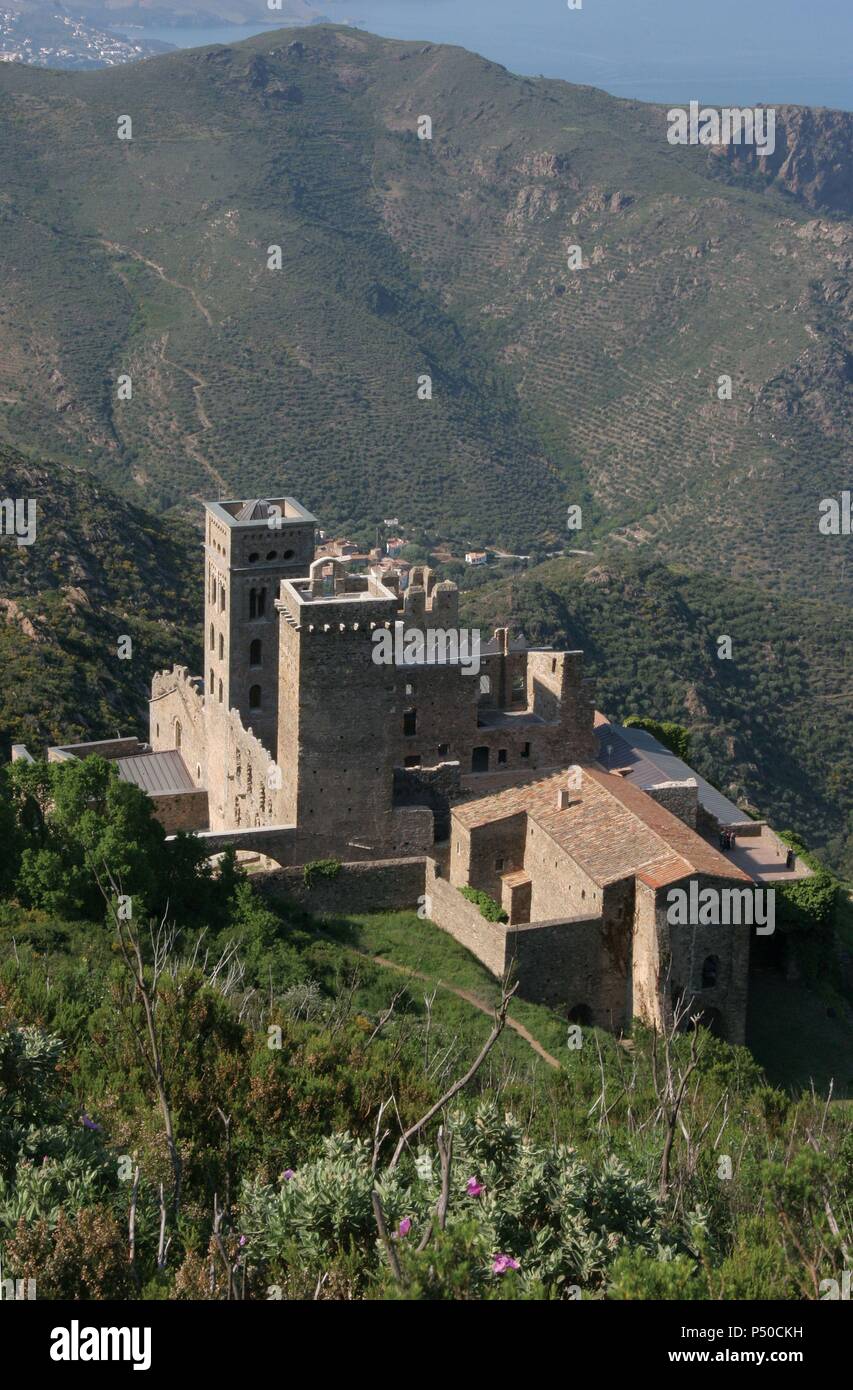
point(220, 692)
point(211, 680)
point(255, 651)
point(221, 647)
point(255, 698)
point(222, 598)
point(212, 637)
point(262, 602)
point(178, 732)
point(710, 971)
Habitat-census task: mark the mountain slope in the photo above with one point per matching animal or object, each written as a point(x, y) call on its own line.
point(99, 569)
point(448, 257)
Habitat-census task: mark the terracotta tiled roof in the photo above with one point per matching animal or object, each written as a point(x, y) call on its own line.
point(611, 828)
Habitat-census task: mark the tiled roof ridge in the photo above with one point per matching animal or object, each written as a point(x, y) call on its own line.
point(640, 804)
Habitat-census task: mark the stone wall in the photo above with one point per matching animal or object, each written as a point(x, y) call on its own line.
point(447, 908)
point(385, 885)
point(681, 798)
point(176, 701)
point(181, 811)
point(560, 963)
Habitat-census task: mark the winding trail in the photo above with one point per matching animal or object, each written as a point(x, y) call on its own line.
point(465, 994)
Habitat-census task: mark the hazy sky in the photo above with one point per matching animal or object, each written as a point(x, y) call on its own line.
point(723, 51)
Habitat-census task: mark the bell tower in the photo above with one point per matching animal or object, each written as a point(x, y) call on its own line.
point(250, 546)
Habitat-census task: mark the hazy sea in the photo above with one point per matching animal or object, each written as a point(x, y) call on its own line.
point(728, 52)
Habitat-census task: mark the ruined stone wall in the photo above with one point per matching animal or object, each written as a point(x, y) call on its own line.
point(175, 700)
point(243, 788)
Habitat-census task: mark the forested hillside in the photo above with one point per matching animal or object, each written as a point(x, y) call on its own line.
point(99, 569)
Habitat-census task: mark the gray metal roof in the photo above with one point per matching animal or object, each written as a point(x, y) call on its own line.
point(651, 763)
point(159, 774)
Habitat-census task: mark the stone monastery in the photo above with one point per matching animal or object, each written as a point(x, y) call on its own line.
point(294, 744)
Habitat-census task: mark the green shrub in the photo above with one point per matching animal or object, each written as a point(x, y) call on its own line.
point(492, 911)
point(320, 868)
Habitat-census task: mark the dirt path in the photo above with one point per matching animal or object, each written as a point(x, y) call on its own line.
point(190, 441)
point(152, 265)
point(465, 994)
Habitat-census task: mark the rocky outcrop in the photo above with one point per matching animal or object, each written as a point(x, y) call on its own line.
point(813, 158)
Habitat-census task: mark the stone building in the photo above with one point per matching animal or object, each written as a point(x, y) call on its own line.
point(340, 715)
point(489, 774)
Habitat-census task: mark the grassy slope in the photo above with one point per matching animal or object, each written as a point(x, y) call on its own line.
point(403, 256)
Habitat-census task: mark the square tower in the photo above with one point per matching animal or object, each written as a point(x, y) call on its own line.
point(250, 546)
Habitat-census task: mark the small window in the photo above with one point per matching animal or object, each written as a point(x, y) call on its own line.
point(253, 558)
point(255, 697)
point(288, 554)
point(525, 752)
point(485, 685)
point(443, 749)
point(255, 651)
point(272, 554)
point(210, 686)
point(553, 663)
point(178, 733)
point(501, 757)
point(220, 692)
point(410, 689)
point(221, 647)
point(222, 598)
point(410, 724)
point(198, 772)
point(212, 638)
point(710, 972)
point(518, 689)
point(499, 863)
